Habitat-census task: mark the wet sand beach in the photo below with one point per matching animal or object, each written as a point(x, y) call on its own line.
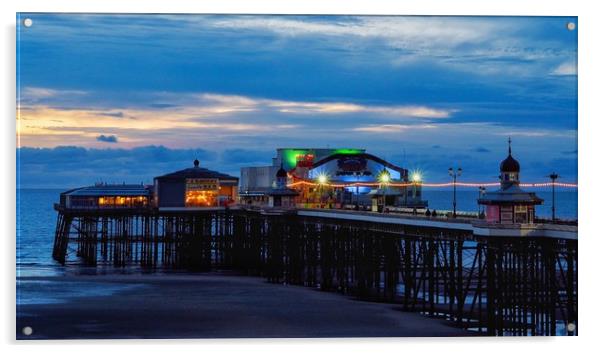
point(207, 306)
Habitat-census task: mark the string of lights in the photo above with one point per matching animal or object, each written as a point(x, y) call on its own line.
point(393, 184)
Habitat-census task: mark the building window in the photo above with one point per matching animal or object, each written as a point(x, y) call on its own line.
point(201, 192)
point(200, 198)
point(122, 201)
point(520, 214)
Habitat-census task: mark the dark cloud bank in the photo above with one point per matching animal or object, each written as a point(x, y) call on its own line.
point(70, 166)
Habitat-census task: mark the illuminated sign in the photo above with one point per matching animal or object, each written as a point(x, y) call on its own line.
point(202, 184)
point(305, 160)
point(351, 164)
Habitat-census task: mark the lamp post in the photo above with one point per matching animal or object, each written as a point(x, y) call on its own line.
point(416, 178)
point(406, 193)
point(357, 191)
point(481, 192)
point(322, 180)
point(454, 173)
point(553, 176)
point(384, 179)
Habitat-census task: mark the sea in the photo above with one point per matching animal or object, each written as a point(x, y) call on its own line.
point(36, 222)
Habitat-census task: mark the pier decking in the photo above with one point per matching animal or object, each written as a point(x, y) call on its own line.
point(477, 227)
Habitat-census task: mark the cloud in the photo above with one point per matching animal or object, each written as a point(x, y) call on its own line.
point(162, 105)
point(240, 156)
point(482, 150)
point(107, 138)
point(393, 128)
point(71, 166)
point(565, 69)
point(113, 114)
point(32, 94)
point(539, 133)
point(398, 30)
point(214, 118)
point(480, 45)
point(241, 103)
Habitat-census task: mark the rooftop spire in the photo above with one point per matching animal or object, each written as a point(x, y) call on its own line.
point(509, 146)
point(196, 163)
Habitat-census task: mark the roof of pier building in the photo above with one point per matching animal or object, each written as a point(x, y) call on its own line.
point(512, 194)
point(359, 155)
point(366, 156)
point(509, 165)
point(281, 173)
point(110, 190)
point(196, 172)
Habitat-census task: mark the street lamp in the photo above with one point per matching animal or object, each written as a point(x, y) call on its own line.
point(481, 192)
point(322, 180)
point(416, 178)
point(454, 173)
point(384, 178)
point(553, 176)
point(357, 191)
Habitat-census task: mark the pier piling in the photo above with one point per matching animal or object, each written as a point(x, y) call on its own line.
point(492, 285)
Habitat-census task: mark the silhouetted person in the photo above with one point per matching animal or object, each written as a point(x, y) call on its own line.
point(427, 213)
point(434, 213)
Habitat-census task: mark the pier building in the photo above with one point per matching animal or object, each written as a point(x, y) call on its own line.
point(335, 178)
point(107, 196)
point(277, 196)
point(195, 187)
point(510, 204)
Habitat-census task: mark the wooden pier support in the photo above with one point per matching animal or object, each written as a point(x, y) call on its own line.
point(492, 285)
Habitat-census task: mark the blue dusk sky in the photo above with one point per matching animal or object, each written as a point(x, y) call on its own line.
point(123, 98)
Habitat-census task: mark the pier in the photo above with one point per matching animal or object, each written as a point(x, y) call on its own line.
point(519, 283)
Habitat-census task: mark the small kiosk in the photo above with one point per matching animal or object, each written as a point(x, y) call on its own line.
point(510, 204)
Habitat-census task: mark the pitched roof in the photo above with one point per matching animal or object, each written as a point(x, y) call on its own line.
point(509, 194)
point(110, 190)
point(198, 173)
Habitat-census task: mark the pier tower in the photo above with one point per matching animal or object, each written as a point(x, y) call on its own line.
point(510, 204)
point(280, 195)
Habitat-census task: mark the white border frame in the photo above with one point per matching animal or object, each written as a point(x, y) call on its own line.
point(590, 23)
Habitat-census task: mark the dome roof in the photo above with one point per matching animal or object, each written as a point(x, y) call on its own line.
point(281, 173)
point(510, 165)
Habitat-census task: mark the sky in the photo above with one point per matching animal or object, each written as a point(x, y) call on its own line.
point(123, 98)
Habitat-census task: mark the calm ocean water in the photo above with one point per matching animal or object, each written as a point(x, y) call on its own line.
point(36, 220)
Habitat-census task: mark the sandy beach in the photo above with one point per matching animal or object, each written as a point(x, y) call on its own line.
point(207, 306)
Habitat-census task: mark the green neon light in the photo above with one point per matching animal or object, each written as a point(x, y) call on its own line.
point(289, 156)
point(347, 151)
